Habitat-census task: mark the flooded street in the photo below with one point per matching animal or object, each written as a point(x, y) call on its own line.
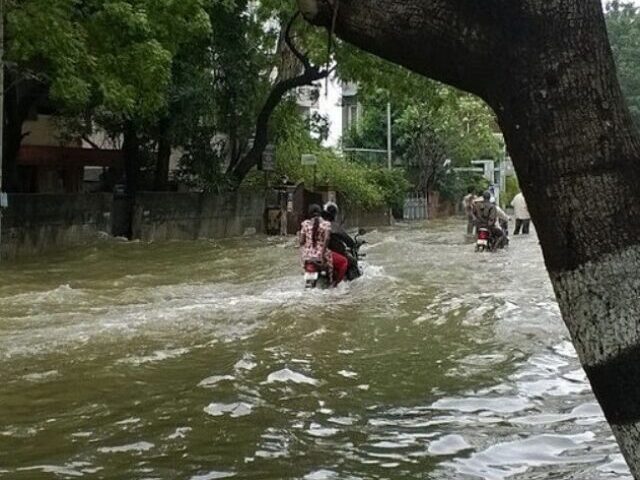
point(208, 360)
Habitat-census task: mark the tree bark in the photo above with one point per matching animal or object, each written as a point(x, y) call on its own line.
point(546, 68)
point(20, 98)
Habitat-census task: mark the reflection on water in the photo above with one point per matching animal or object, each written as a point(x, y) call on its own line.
point(208, 360)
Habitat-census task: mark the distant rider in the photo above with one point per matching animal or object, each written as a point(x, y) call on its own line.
point(486, 215)
point(313, 239)
point(339, 242)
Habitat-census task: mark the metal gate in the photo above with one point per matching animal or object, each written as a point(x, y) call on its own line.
point(415, 208)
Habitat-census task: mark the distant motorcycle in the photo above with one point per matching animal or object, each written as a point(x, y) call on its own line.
point(316, 275)
point(485, 242)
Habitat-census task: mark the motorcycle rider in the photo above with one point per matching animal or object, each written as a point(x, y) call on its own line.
point(339, 242)
point(313, 239)
point(486, 215)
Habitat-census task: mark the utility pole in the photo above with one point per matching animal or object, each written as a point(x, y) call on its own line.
point(389, 153)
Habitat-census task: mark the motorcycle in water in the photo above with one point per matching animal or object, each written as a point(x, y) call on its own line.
point(316, 275)
point(486, 242)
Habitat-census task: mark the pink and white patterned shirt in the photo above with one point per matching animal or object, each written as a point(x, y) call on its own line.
point(310, 250)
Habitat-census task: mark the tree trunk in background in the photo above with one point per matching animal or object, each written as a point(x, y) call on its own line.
point(546, 68)
point(161, 176)
point(131, 152)
point(19, 100)
point(14, 120)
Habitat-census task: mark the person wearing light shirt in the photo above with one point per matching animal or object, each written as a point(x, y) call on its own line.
point(521, 212)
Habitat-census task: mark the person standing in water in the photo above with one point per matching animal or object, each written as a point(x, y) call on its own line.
point(521, 212)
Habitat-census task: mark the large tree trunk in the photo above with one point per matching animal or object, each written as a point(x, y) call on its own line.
point(161, 175)
point(131, 153)
point(20, 98)
point(546, 68)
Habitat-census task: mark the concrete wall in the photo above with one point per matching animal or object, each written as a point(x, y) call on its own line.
point(35, 223)
point(189, 216)
point(356, 218)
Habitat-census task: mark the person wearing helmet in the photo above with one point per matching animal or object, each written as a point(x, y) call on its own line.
point(339, 242)
point(486, 215)
point(485, 212)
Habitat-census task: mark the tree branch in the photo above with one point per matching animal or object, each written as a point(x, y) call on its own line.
point(238, 170)
point(289, 41)
point(453, 41)
point(90, 142)
point(261, 140)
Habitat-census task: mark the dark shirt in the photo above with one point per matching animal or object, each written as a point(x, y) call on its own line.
point(485, 213)
point(340, 240)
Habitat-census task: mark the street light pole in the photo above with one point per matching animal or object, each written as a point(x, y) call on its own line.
point(389, 153)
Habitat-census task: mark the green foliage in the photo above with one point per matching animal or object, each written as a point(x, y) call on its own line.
point(45, 40)
point(113, 55)
point(194, 70)
point(364, 186)
point(445, 125)
point(375, 76)
point(454, 186)
point(513, 188)
point(623, 23)
point(200, 167)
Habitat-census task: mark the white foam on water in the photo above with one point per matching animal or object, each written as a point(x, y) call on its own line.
point(616, 465)
point(289, 376)
point(213, 381)
point(137, 447)
point(322, 475)
point(129, 421)
point(502, 405)
point(213, 475)
point(507, 459)
point(157, 356)
point(41, 376)
point(234, 410)
point(448, 445)
point(246, 364)
point(317, 430)
point(73, 469)
point(57, 296)
point(180, 433)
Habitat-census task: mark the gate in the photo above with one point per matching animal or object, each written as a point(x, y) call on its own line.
point(415, 208)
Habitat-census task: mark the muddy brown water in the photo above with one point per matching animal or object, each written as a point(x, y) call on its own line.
point(206, 360)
